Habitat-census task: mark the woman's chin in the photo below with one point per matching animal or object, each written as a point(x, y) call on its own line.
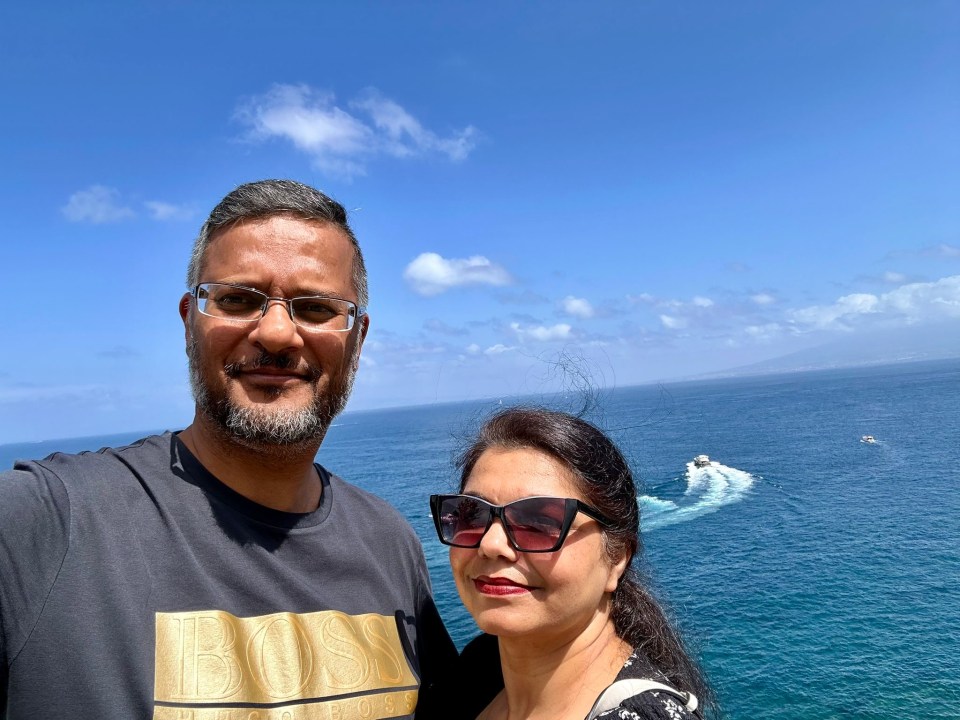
point(505, 624)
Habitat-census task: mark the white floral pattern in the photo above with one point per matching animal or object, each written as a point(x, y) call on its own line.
point(652, 705)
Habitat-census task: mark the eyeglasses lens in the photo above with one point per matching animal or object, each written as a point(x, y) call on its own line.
point(323, 312)
point(226, 301)
point(533, 524)
point(464, 520)
point(237, 303)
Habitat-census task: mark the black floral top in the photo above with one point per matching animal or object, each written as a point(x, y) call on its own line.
point(651, 705)
point(476, 678)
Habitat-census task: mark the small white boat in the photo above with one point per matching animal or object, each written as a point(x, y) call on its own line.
point(701, 461)
point(869, 439)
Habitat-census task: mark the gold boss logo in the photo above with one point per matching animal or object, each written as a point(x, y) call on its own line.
point(211, 665)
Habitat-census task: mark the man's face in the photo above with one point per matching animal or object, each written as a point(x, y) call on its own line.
point(271, 382)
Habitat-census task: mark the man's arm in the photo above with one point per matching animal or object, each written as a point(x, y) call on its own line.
point(34, 538)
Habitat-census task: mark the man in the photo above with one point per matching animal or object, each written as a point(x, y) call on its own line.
point(218, 573)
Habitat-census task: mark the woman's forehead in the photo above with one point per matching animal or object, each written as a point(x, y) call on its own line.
point(502, 475)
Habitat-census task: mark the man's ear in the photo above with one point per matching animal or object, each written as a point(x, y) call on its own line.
point(184, 309)
point(361, 336)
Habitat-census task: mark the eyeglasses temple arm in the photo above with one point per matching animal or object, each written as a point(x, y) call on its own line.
point(595, 514)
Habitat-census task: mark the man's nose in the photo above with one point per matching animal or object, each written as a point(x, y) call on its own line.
point(276, 332)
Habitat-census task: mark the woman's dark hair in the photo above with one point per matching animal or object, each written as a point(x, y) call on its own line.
point(604, 479)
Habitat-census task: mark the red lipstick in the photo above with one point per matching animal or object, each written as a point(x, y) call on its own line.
point(498, 586)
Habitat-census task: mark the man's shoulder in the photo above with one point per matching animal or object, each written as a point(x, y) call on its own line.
point(375, 520)
point(371, 525)
point(354, 497)
point(40, 498)
point(95, 466)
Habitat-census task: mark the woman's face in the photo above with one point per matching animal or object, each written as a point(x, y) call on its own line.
point(543, 596)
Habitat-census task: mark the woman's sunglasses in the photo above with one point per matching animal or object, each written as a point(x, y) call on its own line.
point(533, 524)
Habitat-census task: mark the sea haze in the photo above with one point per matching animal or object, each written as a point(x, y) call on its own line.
point(817, 575)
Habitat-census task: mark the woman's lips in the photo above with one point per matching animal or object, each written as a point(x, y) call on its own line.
point(498, 586)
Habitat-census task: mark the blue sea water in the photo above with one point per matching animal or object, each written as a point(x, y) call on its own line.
point(816, 575)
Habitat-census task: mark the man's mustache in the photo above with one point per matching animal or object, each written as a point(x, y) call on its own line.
point(280, 361)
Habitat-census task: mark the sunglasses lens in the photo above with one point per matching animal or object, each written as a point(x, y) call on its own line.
point(463, 520)
point(536, 523)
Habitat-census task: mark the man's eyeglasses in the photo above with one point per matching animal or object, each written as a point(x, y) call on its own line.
point(533, 524)
point(243, 304)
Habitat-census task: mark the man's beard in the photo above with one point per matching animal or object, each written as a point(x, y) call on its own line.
point(264, 427)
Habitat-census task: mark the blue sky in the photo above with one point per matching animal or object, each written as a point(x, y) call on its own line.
point(658, 189)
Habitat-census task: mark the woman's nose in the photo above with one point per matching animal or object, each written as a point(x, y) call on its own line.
point(496, 543)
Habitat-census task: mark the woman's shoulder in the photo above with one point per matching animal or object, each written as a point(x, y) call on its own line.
point(650, 705)
point(642, 693)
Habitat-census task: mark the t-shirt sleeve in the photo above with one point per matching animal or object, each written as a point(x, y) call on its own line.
point(34, 537)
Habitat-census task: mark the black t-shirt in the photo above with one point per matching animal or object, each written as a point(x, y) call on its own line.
point(134, 584)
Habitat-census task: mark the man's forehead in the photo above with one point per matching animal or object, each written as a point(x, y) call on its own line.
point(263, 233)
point(262, 221)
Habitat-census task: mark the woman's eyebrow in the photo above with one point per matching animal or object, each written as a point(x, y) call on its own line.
point(479, 496)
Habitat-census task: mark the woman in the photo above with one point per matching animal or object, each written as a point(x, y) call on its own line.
point(542, 536)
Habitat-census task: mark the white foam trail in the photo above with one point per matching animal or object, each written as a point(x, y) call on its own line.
point(651, 506)
point(708, 489)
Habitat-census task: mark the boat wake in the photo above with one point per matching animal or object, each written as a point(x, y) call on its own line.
point(708, 488)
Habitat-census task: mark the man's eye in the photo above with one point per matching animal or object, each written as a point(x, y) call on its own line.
point(316, 310)
point(238, 301)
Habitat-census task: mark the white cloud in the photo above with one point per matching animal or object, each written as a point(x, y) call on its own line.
point(160, 210)
point(431, 274)
point(338, 141)
point(925, 301)
point(763, 332)
point(403, 135)
point(894, 278)
point(697, 303)
point(497, 349)
point(560, 331)
point(97, 204)
point(825, 316)
point(763, 298)
point(914, 302)
point(673, 323)
point(578, 307)
point(943, 250)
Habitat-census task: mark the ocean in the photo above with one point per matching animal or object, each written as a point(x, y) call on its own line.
point(816, 575)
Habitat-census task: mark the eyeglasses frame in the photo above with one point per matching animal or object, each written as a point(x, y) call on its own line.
point(357, 313)
point(572, 506)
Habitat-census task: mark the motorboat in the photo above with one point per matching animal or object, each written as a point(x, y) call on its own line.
point(701, 461)
point(869, 439)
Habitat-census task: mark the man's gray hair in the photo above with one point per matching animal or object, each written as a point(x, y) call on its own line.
point(266, 198)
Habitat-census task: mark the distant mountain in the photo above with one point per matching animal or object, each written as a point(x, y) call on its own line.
point(922, 342)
